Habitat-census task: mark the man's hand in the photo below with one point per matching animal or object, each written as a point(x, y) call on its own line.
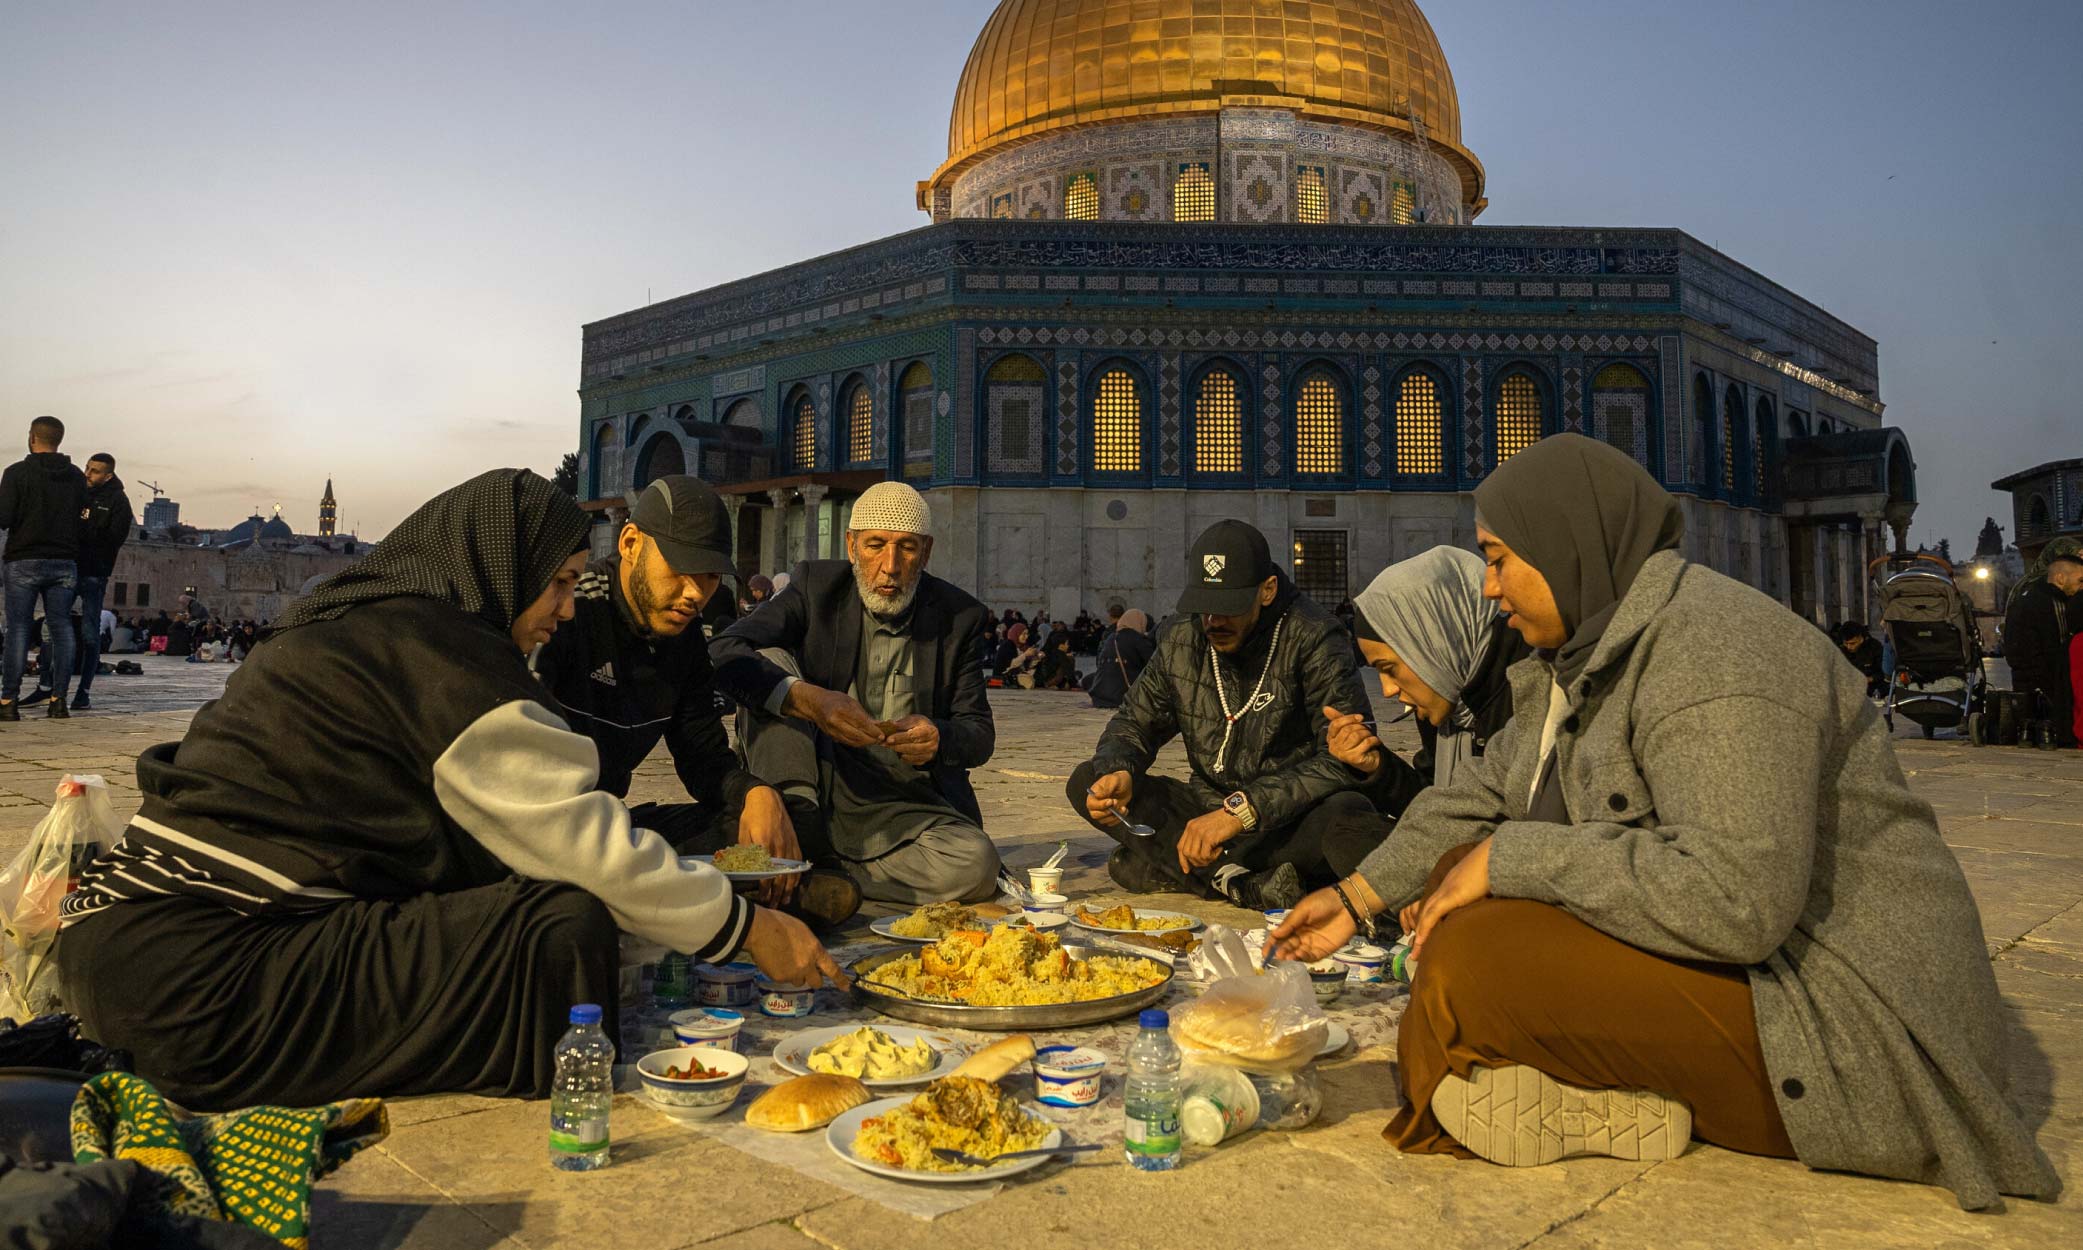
point(916, 741)
point(783, 948)
point(1107, 800)
point(1469, 882)
point(836, 713)
point(1201, 841)
point(764, 823)
point(1352, 743)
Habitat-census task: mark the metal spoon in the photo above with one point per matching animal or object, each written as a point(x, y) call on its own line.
point(1134, 830)
point(949, 1155)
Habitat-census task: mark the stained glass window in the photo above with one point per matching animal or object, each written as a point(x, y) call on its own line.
point(1081, 198)
point(1312, 199)
point(860, 426)
point(1117, 425)
point(1193, 194)
point(1319, 428)
point(1420, 426)
point(1732, 413)
point(1518, 422)
point(805, 434)
point(1403, 204)
point(1218, 426)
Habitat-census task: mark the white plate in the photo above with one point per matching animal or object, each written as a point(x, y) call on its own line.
point(1193, 923)
point(881, 928)
point(841, 1134)
point(793, 1052)
point(1335, 1040)
point(781, 868)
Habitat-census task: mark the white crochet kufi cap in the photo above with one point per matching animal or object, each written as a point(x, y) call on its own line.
point(892, 506)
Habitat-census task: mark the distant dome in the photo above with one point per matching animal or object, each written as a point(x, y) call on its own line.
point(276, 527)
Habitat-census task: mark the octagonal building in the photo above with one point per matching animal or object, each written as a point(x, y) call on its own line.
point(1197, 259)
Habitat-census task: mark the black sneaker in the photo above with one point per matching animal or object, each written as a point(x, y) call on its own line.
point(56, 710)
point(1277, 887)
point(1137, 875)
point(80, 702)
point(10, 711)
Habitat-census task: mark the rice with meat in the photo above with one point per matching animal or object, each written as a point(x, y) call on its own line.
point(954, 1113)
point(1013, 967)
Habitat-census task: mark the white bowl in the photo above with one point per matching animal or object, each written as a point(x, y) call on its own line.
point(697, 1099)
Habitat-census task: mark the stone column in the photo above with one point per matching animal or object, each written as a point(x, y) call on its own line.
point(732, 504)
point(773, 534)
point(817, 527)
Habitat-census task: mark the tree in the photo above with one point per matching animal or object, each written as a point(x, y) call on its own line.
point(566, 478)
point(1991, 543)
point(1945, 550)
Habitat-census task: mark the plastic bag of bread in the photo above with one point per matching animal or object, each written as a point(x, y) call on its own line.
point(1267, 1021)
point(805, 1103)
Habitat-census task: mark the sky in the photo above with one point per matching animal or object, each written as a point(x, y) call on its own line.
point(249, 247)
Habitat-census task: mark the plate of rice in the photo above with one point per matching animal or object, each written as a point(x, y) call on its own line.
point(895, 1137)
point(935, 921)
point(1126, 919)
point(745, 862)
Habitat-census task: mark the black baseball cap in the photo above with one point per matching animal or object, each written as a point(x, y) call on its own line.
point(1224, 569)
point(686, 518)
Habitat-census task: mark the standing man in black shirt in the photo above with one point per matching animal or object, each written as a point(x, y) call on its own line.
point(41, 499)
point(103, 531)
point(632, 668)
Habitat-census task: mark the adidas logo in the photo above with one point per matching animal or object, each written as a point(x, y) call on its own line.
point(605, 674)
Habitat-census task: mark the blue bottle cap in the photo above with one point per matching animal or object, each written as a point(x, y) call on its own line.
point(1153, 1018)
point(589, 1013)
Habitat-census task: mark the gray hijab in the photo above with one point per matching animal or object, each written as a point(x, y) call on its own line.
point(1587, 517)
point(1430, 611)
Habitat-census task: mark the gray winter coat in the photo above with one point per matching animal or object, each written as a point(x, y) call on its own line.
point(1734, 798)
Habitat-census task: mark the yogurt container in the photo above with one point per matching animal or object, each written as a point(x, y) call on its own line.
point(708, 1026)
point(1044, 880)
point(1048, 905)
point(786, 1000)
point(1274, 917)
point(727, 985)
point(1218, 1104)
point(1363, 964)
point(1068, 1076)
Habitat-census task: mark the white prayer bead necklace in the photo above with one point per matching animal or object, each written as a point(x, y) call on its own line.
point(1222, 696)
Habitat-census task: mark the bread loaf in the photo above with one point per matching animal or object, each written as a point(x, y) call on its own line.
point(805, 1103)
point(1238, 1031)
point(996, 1061)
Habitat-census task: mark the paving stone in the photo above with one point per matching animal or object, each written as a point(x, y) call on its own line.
point(374, 1203)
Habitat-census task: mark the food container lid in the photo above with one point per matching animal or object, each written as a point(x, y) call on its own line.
point(708, 1019)
point(728, 974)
point(1068, 1059)
point(1363, 954)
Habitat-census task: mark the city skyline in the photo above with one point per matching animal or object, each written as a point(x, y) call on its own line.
point(264, 240)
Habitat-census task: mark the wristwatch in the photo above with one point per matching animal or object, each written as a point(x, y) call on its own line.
point(1239, 805)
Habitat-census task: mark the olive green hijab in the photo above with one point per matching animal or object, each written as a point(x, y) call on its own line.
point(1587, 517)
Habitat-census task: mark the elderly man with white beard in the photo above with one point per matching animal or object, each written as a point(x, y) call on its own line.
point(863, 691)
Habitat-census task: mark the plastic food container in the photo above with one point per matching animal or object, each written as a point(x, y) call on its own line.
point(1068, 1076)
point(1327, 978)
point(728, 985)
point(1044, 880)
point(786, 1000)
point(1219, 1103)
point(1047, 905)
point(708, 1026)
point(1274, 917)
point(1363, 964)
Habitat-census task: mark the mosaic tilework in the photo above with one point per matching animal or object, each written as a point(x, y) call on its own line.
point(959, 437)
point(1232, 338)
point(1067, 416)
point(1136, 193)
point(1573, 395)
point(1168, 417)
point(1472, 423)
point(1622, 419)
point(1271, 425)
point(1014, 424)
point(1674, 407)
point(826, 454)
point(1258, 187)
point(882, 412)
point(1370, 422)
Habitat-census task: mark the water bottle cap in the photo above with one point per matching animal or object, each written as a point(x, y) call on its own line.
point(1155, 1019)
point(585, 1013)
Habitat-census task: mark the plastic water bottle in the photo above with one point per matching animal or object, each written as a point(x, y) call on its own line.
point(1153, 1096)
point(579, 1100)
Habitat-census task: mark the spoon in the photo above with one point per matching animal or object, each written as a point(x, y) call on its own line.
point(950, 1155)
point(1134, 830)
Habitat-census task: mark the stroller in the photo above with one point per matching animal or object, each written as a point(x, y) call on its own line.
point(1938, 681)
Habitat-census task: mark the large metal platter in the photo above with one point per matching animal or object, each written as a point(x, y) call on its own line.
point(1006, 1019)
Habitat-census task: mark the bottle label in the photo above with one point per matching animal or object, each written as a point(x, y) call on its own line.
point(1154, 1137)
point(590, 1137)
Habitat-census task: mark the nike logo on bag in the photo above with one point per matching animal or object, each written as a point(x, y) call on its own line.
point(605, 674)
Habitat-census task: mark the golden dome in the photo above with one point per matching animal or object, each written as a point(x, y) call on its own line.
point(1047, 65)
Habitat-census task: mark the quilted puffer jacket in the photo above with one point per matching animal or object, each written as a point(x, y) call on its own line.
point(1276, 752)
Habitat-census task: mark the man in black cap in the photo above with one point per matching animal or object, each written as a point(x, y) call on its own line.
point(632, 667)
point(1243, 673)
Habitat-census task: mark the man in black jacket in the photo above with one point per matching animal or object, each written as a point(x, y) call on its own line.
point(42, 498)
point(1243, 673)
point(103, 531)
point(632, 668)
point(2045, 611)
point(865, 703)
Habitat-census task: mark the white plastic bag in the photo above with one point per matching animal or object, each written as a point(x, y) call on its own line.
point(1263, 1020)
point(82, 823)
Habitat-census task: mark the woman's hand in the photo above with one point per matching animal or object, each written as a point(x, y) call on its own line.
point(784, 949)
point(1352, 743)
point(1312, 929)
point(1469, 882)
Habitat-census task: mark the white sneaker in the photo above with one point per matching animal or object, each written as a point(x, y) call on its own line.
point(1522, 1117)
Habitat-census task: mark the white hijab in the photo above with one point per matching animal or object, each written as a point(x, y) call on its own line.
point(1431, 612)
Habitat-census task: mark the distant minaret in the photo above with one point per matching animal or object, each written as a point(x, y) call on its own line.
point(328, 511)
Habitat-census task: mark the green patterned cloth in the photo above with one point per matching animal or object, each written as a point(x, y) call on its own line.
point(253, 1167)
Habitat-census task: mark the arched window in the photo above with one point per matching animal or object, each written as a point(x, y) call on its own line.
point(1796, 423)
point(1218, 424)
point(1319, 426)
point(1517, 421)
point(743, 415)
point(860, 424)
point(915, 387)
point(1702, 431)
point(1420, 425)
point(603, 468)
point(1117, 424)
point(661, 457)
point(1014, 400)
point(1620, 410)
point(803, 433)
point(1762, 428)
point(2039, 519)
point(1733, 436)
point(1312, 197)
point(1403, 204)
point(1193, 194)
point(1081, 198)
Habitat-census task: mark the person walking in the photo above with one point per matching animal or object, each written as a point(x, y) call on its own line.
point(104, 528)
point(42, 498)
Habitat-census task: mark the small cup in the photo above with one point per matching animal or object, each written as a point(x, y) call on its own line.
point(1068, 1076)
point(1328, 983)
point(1363, 964)
point(708, 1026)
point(1044, 880)
point(1047, 905)
point(786, 1000)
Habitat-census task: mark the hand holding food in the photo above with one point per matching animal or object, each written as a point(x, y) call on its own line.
point(837, 713)
point(916, 741)
point(764, 826)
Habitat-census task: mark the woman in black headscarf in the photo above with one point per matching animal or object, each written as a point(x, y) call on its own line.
point(378, 864)
point(1696, 896)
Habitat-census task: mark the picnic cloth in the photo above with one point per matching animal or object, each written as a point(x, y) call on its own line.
point(253, 1167)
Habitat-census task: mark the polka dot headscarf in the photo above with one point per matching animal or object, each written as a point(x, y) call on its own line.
point(490, 546)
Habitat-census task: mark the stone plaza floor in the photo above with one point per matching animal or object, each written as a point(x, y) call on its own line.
point(464, 1173)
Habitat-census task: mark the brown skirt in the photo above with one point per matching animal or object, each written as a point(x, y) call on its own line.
point(1511, 981)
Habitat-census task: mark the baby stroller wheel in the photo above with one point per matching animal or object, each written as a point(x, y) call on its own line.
point(1975, 726)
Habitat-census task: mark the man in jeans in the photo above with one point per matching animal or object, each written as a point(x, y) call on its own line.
point(103, 531)
point(42, 499)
